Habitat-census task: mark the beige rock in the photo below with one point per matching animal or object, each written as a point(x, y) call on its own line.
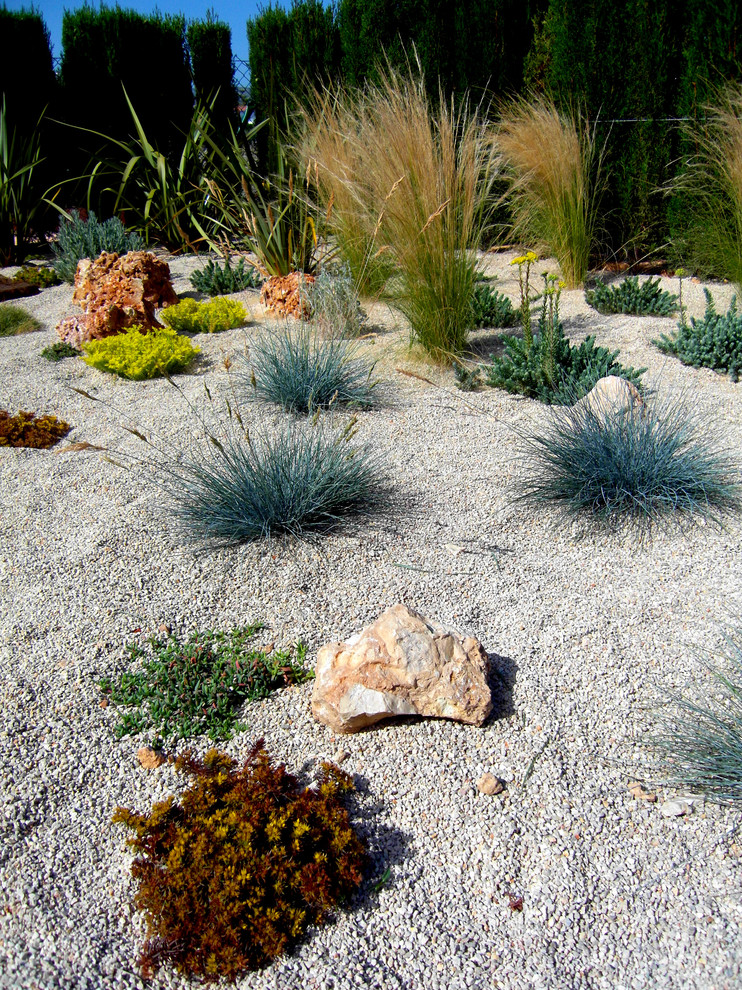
point(489, 784)
point(639, 794)
point(611, 395)
point(150, 758)
point(402, 664)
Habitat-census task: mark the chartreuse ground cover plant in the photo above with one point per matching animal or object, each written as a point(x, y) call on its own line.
point(553, 167)
point(421, 181)
point(302, 371)
point(237, 868)
point(544, 365)
point(713, 342)
point(25, 429)
point(179, 689)
point(139, 355)
point(87, 237)
point(15, 320)
point(699, 735)
point(220, 280)
point(190, 316)
point(646, 464)
point(631, 296)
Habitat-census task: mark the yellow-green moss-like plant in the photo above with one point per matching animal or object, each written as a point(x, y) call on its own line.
point(242, 864)
point(25, 430)
point(137, 354)
point(189, 316)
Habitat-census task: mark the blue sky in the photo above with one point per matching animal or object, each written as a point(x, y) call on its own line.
point(234, 12)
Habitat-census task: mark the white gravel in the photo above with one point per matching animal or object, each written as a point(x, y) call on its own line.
point(587, 630)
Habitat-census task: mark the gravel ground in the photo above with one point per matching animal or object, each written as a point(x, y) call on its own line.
point(586, 631)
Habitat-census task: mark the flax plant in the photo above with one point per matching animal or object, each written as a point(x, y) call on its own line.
point(713, 184)
point(416, 184)
point(553, 167)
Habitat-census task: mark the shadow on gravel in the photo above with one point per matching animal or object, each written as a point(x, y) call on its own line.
point(501, 680)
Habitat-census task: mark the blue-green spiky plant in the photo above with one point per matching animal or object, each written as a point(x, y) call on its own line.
point(700, 734)
point(642, 465)
point(301, 372)
point(303, 479)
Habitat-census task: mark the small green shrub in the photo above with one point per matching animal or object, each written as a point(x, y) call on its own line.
point(189, 316)
point(700, 734)
point(228, 876)
point(334, 306)
point(641, 465)
point(188, 689)
point(632, 297)
point(16, 320)
point(301, 480)
point(491, 308)
point(25, 430)
point(37, 275)
point(550, 368)
point(59, 351)
point(138, 355)
point(302, 372)
point(218, 280)
point(468, 379)
point(713, 342)
point(80, 238)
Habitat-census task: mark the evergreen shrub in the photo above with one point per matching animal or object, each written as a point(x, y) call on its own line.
point(713, 342)
point(633, 297)
point(221, 280)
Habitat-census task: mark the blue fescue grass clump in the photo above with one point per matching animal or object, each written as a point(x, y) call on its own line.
point(713, 342)
point(302, 372)
point(632, 297)
point(642, 465)
point(302, 480)
point(700, 734)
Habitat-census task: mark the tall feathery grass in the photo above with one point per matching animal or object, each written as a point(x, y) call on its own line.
point(408, 187)
point(553, 166)
point(712, 185)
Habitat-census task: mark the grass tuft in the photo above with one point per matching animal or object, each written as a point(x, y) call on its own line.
point(700, 735)
point(16, 320)
point(302, 372)
point(299, 481)
point(414, 184)
point(553, 167)
point(712, 185)
point(642, 465)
